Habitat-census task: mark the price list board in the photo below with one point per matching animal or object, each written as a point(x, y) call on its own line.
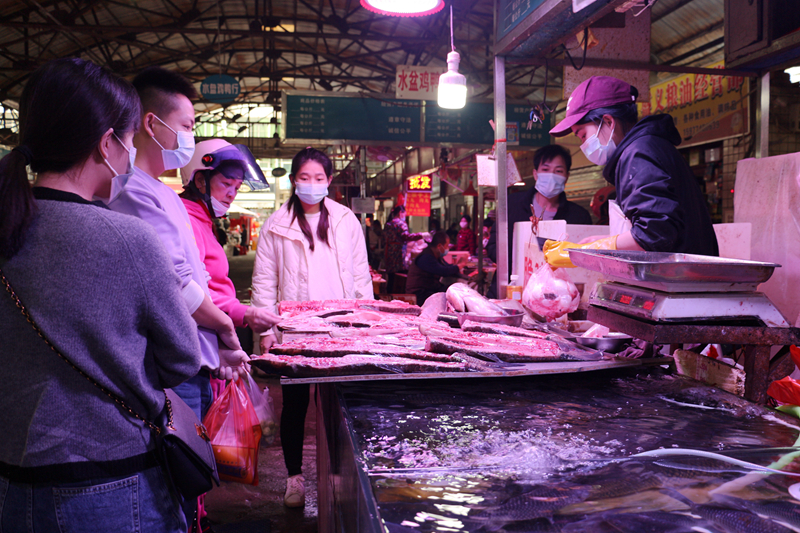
point(351, 118)
point(512, 12)
point(310, 117)
point(470, 125)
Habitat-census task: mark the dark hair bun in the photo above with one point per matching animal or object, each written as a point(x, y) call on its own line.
point(634, 92)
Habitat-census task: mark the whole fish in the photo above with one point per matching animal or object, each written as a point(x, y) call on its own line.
point(652, 522)
point(616, 488)
point(539, 502)
point(433, 306)
point(463, 299)
point(781, 510)
point(731, 520)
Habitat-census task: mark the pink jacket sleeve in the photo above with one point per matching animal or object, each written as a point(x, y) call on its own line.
point(223, 293)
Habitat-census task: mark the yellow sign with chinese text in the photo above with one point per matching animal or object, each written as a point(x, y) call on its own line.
point(705, 107)
point(420, 183)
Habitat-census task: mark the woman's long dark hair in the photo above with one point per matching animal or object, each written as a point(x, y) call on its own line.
point(66, 108)
point(304, 156)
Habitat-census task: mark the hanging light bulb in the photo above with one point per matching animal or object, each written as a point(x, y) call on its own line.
point(794, 74)
point(452, 85)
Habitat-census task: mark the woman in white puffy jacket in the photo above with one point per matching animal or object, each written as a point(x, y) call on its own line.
point(312, 248)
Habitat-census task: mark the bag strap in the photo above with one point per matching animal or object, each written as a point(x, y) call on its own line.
point(110, 394)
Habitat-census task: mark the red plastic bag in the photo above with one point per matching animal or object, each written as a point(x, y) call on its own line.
point(235, 434)
point(794, 352)
point(786, 390)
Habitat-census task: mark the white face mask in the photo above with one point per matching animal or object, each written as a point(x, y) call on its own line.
point(463, 224)
point(311, 193)
point(219, 208)
point(597, 153)
point(550, 185)
point(180, 156)
point(131, 159)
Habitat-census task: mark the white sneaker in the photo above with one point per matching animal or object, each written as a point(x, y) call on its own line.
point(295, 492)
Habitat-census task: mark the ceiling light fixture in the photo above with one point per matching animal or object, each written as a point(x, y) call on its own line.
point(452, 85)
point(404, 8)
point(794, 74)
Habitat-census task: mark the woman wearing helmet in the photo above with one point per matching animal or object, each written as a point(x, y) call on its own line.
point(211, 181)
point(656, 189)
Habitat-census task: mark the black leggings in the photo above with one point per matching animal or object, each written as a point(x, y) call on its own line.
point(293, 420)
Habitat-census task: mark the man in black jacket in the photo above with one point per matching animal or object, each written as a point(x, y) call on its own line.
point(429, 267)
point(546, 200)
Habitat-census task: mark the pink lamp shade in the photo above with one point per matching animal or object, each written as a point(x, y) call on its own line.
point(404, 8)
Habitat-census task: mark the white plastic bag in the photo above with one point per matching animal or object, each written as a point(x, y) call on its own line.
point(550, 294)
point(262, 403)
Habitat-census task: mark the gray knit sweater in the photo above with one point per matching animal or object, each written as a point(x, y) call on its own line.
point(102, 288)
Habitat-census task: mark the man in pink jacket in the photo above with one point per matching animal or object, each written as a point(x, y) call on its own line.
point(211, 181)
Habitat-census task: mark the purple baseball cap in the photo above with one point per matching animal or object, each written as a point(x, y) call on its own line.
point(596, 92)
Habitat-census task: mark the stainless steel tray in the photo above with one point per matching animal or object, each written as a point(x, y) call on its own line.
point(672, 269)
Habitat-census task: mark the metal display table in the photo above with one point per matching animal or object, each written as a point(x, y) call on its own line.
point(756, 342)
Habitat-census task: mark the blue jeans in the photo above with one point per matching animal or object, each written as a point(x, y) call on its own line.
point(138, 503)
point(196, 392)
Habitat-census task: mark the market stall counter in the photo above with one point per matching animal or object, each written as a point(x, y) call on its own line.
point(676, 299)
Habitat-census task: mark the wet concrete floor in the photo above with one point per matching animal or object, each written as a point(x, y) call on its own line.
point(234, 507)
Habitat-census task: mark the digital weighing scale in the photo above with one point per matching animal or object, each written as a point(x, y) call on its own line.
point(681, 288)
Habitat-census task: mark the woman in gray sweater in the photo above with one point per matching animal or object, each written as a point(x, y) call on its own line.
point(102, 289)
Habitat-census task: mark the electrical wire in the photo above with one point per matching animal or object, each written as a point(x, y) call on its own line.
point(585, 48)
point(452, 43)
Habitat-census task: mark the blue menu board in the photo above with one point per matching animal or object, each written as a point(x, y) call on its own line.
point(470, 125)
point(512, 12)
point(356, 118)
point(353, 118)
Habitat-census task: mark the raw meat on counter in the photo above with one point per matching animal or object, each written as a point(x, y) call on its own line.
point(501, 329)
point(550, 294)
point(322, 347)
point(464, 299)
point(395, 306)
point(297, 366)
point(499, 348)
point(289, 309)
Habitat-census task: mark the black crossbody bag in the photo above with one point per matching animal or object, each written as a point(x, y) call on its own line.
point(182, 443)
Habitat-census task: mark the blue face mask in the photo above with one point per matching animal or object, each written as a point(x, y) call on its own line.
point(311, 193)
point(550, 185)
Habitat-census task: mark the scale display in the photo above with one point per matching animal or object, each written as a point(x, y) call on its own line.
point(658, 306)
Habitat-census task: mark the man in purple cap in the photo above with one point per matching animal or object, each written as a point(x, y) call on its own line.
point(656, 189)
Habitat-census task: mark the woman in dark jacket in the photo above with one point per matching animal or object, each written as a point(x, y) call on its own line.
point(396, 235)
point(656, 189)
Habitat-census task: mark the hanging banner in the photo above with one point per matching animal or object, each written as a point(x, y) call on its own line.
point(418, 204)
point(220, 89)
point(417, 83)
point(705, 107)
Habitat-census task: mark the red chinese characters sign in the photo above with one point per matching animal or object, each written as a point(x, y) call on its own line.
point(418, 204)
point(705, 107)
point(417, 83)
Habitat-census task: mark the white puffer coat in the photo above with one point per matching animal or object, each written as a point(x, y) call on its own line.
point(281, 268)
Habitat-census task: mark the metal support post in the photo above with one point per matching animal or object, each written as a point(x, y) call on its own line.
point(500, 160)
point(762, 117)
